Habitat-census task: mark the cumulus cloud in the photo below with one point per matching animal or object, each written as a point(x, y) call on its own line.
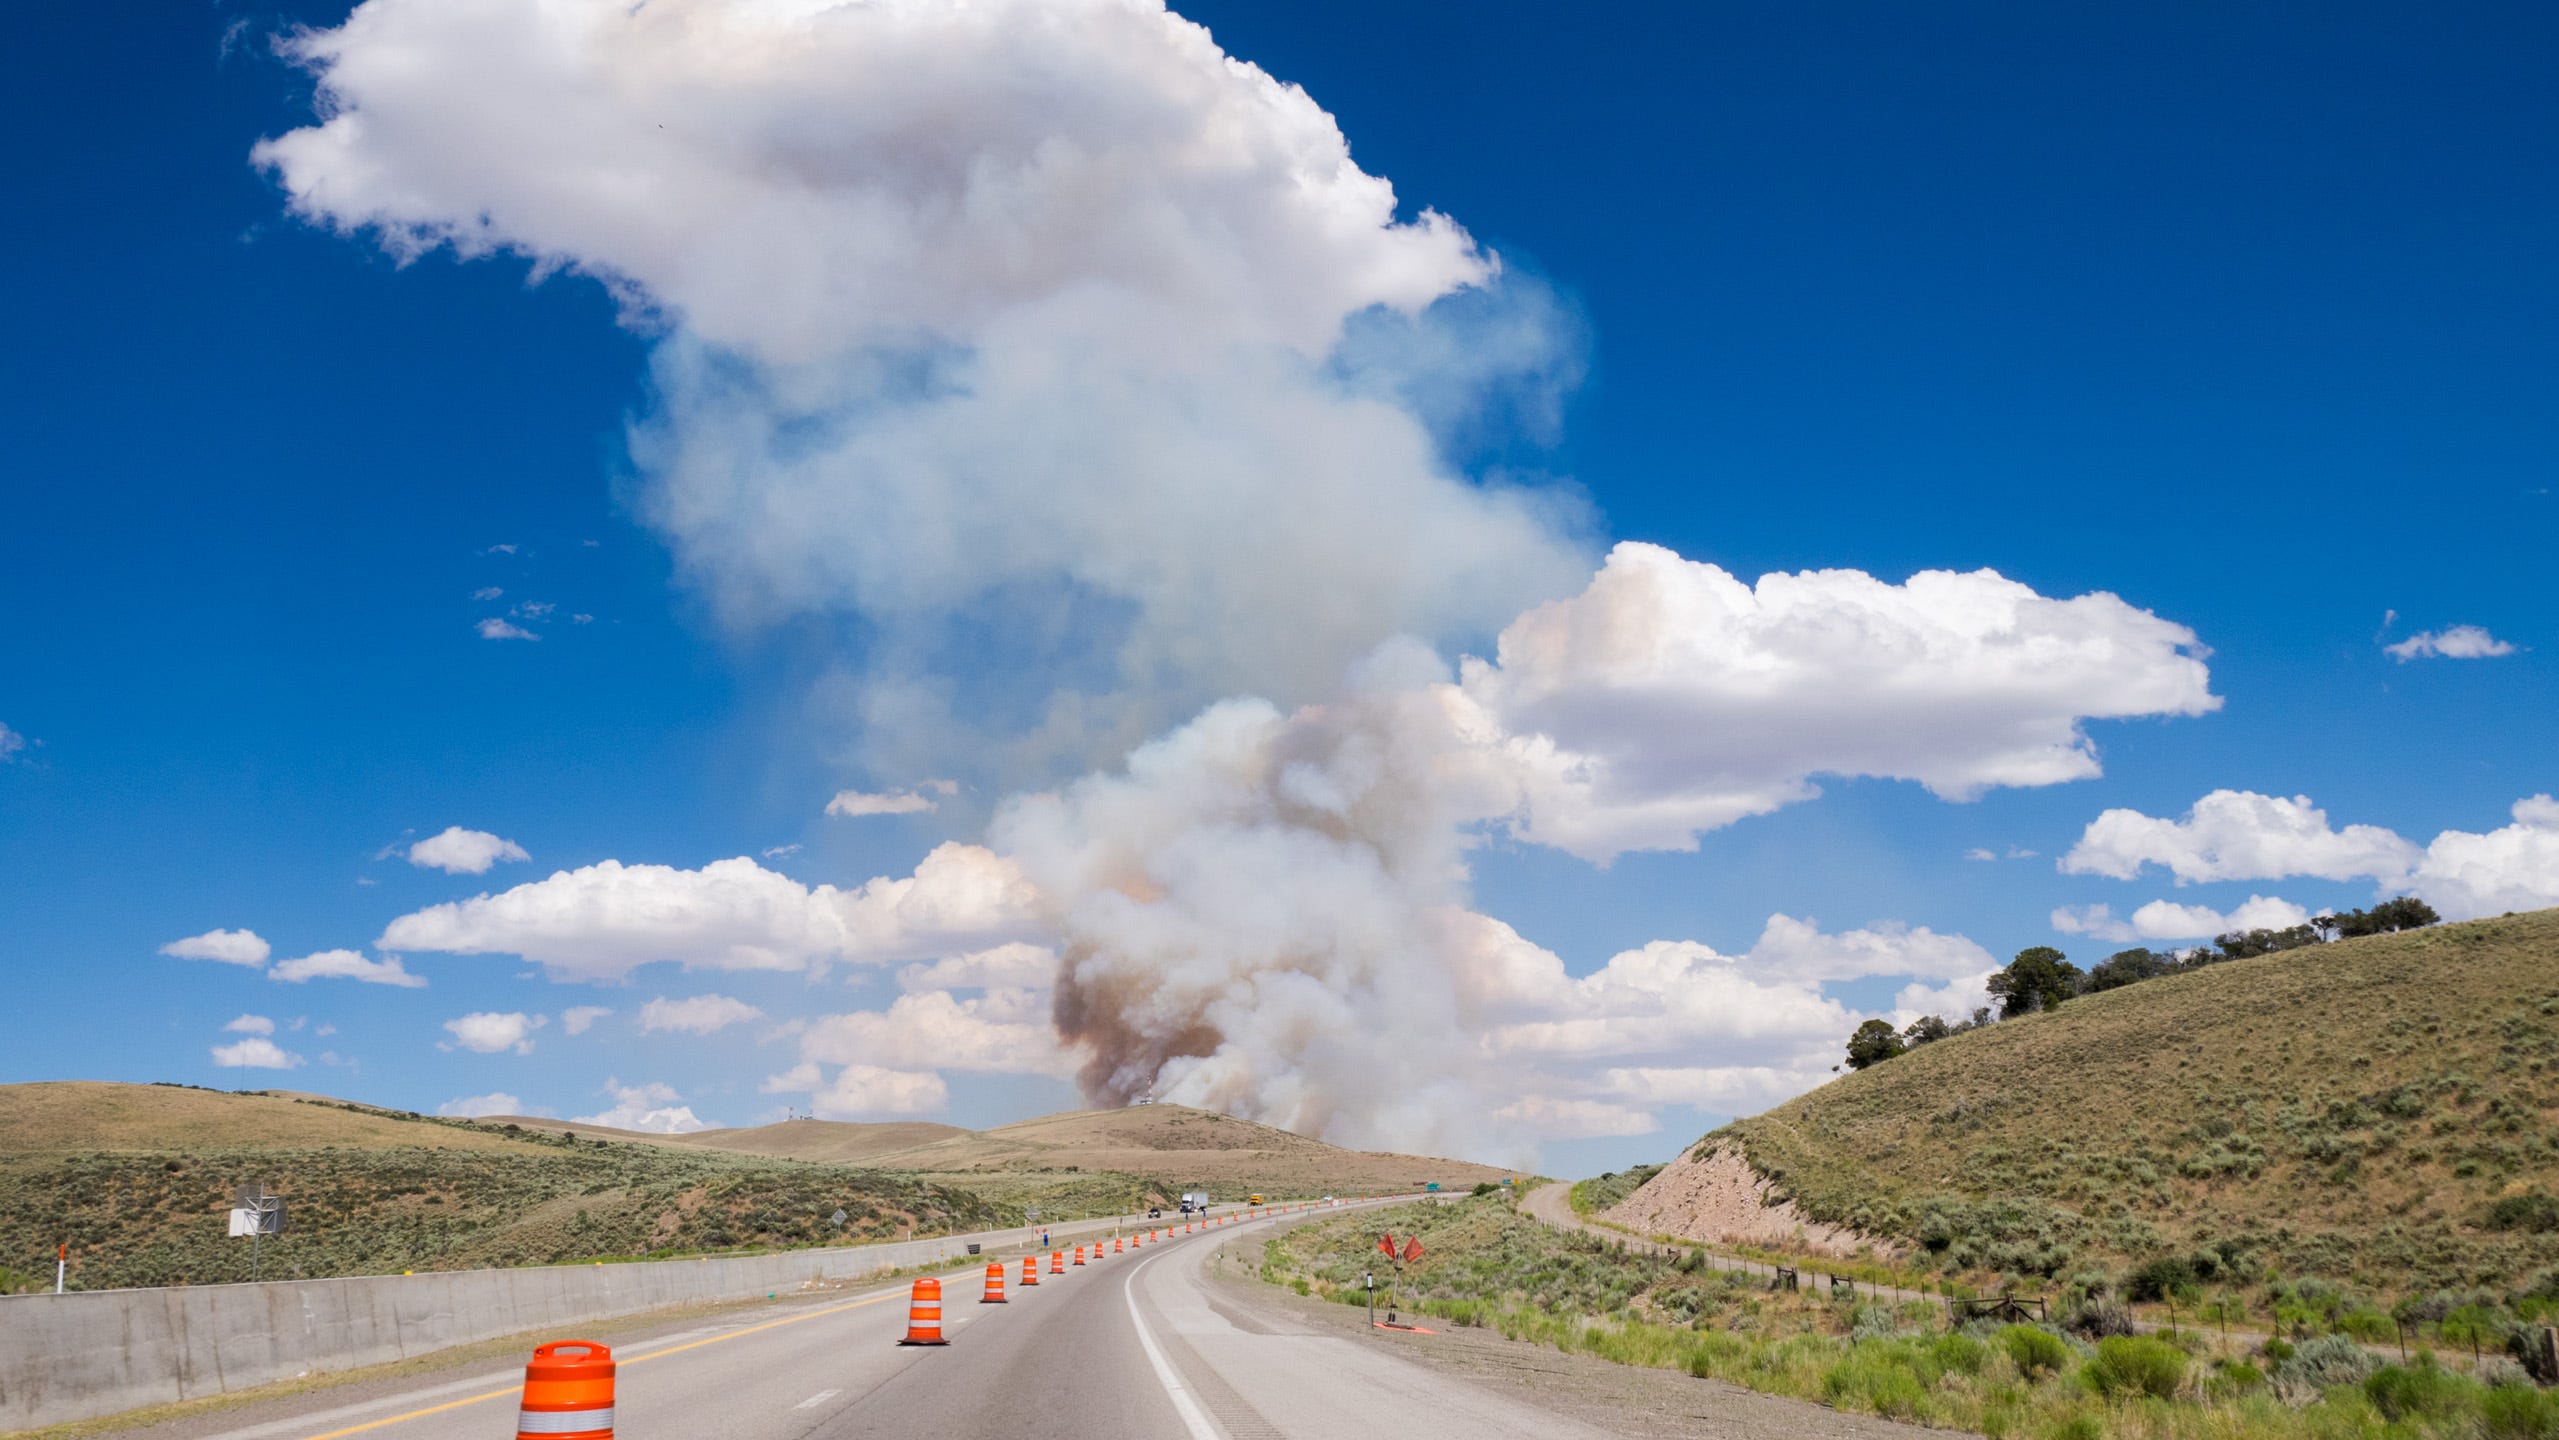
point(2516, 867)
point(473, 1107)
point(11, 743)
point(602, 921)
point(2239, 835)
point(1002, 1031)
point(230, 947)
point(464, 852)
point(2453, 642)
point(255, 1053)
point(855, 803)
point(252, 1025)
point(2167, 920)
point(494, 628)
point(861, 1092)
point(698, 1015)
point(1669, 697)
point(578, 1018)
point(1018, 966)
point(648, 1107)
point(346, 965)
point(489, 1032)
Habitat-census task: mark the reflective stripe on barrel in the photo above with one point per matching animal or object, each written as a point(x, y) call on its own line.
point(564, 1422)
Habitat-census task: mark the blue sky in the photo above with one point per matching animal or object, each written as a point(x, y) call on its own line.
point(2243, 315)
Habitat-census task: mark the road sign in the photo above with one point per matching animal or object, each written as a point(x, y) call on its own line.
point(839, 1219)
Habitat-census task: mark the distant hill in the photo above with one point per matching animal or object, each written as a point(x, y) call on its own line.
point(138, 1180)
point(2382, 1110)
point(1170, 1148)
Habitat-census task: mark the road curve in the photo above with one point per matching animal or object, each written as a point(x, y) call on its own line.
point(1137, 1346)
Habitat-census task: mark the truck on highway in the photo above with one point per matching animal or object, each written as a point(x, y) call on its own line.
point(1194, 1202)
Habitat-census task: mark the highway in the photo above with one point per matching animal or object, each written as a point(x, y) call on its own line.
point(1140, 1346)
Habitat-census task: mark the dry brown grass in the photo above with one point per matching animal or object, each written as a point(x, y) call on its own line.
point(85, 1116)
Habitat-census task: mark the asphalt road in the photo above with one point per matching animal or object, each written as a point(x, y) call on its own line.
point(1140, 1346)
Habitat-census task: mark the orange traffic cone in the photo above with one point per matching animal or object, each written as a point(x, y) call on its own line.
point(1030, 1271)
point(994, 1284)
point(1057, 1262)
point(567, 1396)
point(924, 1314)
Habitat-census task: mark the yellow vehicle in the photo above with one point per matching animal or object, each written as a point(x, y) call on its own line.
point(1253, 1200)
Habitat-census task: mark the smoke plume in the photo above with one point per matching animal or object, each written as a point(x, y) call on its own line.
point(1073, 369)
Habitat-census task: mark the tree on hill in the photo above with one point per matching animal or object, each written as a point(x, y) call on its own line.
point(2038, 979)
point(2249, 944)
point(1873, 1043)
point(2128, 967)
point(2389, 917)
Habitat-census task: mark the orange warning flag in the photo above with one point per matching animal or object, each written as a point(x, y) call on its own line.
point(1386, 1243)
point(1412, 1249)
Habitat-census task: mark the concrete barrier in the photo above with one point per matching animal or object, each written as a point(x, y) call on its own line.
point(99, 1352)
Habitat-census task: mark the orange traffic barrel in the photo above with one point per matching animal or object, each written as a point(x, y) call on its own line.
point(1079, 1254)
point(1030, 1271)
point(1057, 1262)
point(1115, 1244)
point(994, 1284)
point(568, 1392)
point(924, 1314)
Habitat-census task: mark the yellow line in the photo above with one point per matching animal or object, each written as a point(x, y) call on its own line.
point(634, 1360)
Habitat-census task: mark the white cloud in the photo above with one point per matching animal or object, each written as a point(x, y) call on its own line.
point(604, 920)
point(256, 1053)
point(1560, 1119)
point(1016, 966)
point(779, 852)
point(473, 1107)
point(494, 628)
point(11, 743)
point(861, 1092)
point(2166, 920)
point(487, 592)
point(231, 947)
point(699, 1015)
point(854, 803)
point(1001, 1031)
point(2466, 876)
point(577, 1018)
point(648, 1107)
point(252, 1025)
point(346, 965)
point(1670, 698)
point(463, 852)
point(2239, 835)
point(2453, 642)
point(489, 1032)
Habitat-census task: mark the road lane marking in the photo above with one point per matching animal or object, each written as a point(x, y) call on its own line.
point(817, 1399)
point(518, 1390)
point(1193, 1418)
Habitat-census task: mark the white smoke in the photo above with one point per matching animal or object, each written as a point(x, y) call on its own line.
point(1012, 329)
point(1074, 367)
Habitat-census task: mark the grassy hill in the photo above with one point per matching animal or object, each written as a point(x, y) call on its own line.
point(1110, 1158)
point(2379, 1111)
point(138, 1180)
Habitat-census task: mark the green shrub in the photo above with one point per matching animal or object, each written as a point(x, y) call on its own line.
point(2319, 1365)
point(2402, 1392)
point(2128, 1365)
point(2036, 1353)
point(2532, 1212)
point(1961, 1354)
point(2172, 1278)
point(2519, 1412)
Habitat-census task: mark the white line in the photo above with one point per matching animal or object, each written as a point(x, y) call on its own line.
point(1193, 1418)
point(817, 1399)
